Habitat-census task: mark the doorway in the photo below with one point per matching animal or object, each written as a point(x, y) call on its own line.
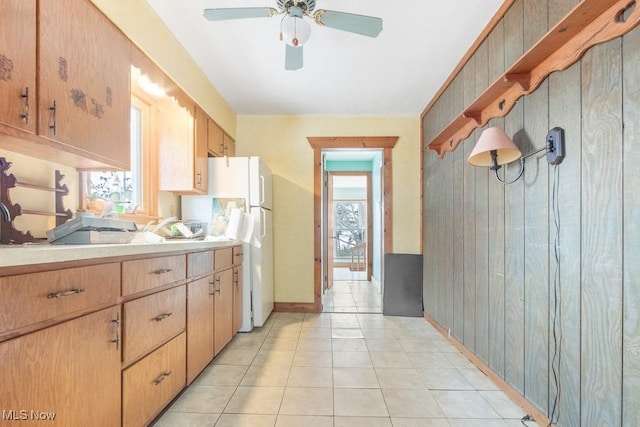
point(352, 230)
point(349, 231)
point(383, 145)
point(349, 261)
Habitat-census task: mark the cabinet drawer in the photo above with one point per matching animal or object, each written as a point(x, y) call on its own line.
point(31, 298)
point(151, 320)
point(199, 263)
point(143, 274)
point(223, 258)
point(237, 255)
point(152, 382)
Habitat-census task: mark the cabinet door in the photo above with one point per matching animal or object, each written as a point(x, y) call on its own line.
point(237, 299)
point(215, 139)
point(201, 153)
point(70, 371)
point(174, 124)
point(199, 326)
point(84, 68)
point(223, 282)
point(229, 146)
point(18, 63)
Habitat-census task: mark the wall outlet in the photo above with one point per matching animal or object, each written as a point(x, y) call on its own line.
point(555, 146)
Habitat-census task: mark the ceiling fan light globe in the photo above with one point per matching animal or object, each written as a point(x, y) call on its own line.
point(296, 31)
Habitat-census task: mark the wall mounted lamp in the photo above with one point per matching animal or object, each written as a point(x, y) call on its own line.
point(494, 149)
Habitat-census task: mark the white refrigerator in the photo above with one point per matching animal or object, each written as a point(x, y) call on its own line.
point(243, 182)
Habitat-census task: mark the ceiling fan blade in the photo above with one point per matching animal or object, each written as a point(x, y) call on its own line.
point(359, 24)
point(293, 58)
point(239, 13)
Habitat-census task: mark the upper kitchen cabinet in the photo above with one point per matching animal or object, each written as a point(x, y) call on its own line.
point(18, 64)
point(219, 143)
point(84, 81)
point(201, 154)
point(229, 146)
point(176, 150)
point(179, 127)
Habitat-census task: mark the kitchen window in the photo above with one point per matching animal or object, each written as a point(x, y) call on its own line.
point(129, 193)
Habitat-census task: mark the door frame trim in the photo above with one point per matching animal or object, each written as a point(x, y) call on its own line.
point(386, 143)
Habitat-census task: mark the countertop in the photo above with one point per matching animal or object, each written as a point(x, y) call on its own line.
point(26, 254)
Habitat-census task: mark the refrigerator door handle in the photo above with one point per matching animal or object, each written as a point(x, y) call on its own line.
point(263, 224)
point(261, 190)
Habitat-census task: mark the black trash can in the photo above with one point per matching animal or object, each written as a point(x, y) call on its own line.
point(402, 285)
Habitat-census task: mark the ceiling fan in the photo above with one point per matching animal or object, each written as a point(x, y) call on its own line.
point(294, 30)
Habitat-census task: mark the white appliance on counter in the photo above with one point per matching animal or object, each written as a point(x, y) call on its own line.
point(248, 180)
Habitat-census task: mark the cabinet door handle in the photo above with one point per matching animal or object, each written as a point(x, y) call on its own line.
point(198, 178)
point(162, 271)
point(65, 293)
point(162, 316)
point(116, 322)
point(161, 377)
point(235, 277)
point(25, 110)
point(52, 119)
point(211, 288)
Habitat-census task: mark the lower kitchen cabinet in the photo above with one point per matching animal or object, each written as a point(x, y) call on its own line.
point(237, 288)
point(237, 299)
point(55, 373)
point(200, 302)
point(113, 343)
point(223, 308)
point(149, 385)
point(151, 320)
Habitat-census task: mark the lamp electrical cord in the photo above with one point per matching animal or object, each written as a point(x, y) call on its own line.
point(557, 340)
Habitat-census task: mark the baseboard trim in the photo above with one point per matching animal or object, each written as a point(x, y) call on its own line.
point(529, 407)
point(294, 307)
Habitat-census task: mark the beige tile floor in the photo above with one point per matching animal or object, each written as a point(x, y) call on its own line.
point(342, 369)
point(351, 293)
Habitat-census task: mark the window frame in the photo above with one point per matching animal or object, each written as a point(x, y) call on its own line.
point(148, 153)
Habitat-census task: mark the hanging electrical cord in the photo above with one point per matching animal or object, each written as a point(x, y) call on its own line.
point(555, 360)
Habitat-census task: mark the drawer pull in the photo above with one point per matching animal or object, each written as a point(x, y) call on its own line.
point(162, 316)
point(239, 254)
point(65, 293)
point(161, 377)
point(25, 114)
point(116, 322)
point(163, 271)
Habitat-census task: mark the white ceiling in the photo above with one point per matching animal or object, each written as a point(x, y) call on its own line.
point(396, 73)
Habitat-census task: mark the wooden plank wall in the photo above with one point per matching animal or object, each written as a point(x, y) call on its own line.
point(563, 330)
point(514, 219)
point(631, 236)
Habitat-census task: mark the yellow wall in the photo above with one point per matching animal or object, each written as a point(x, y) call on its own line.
point(281, 141)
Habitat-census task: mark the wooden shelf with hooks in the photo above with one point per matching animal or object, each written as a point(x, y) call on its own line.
point(9, 211)
point(590, 23)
